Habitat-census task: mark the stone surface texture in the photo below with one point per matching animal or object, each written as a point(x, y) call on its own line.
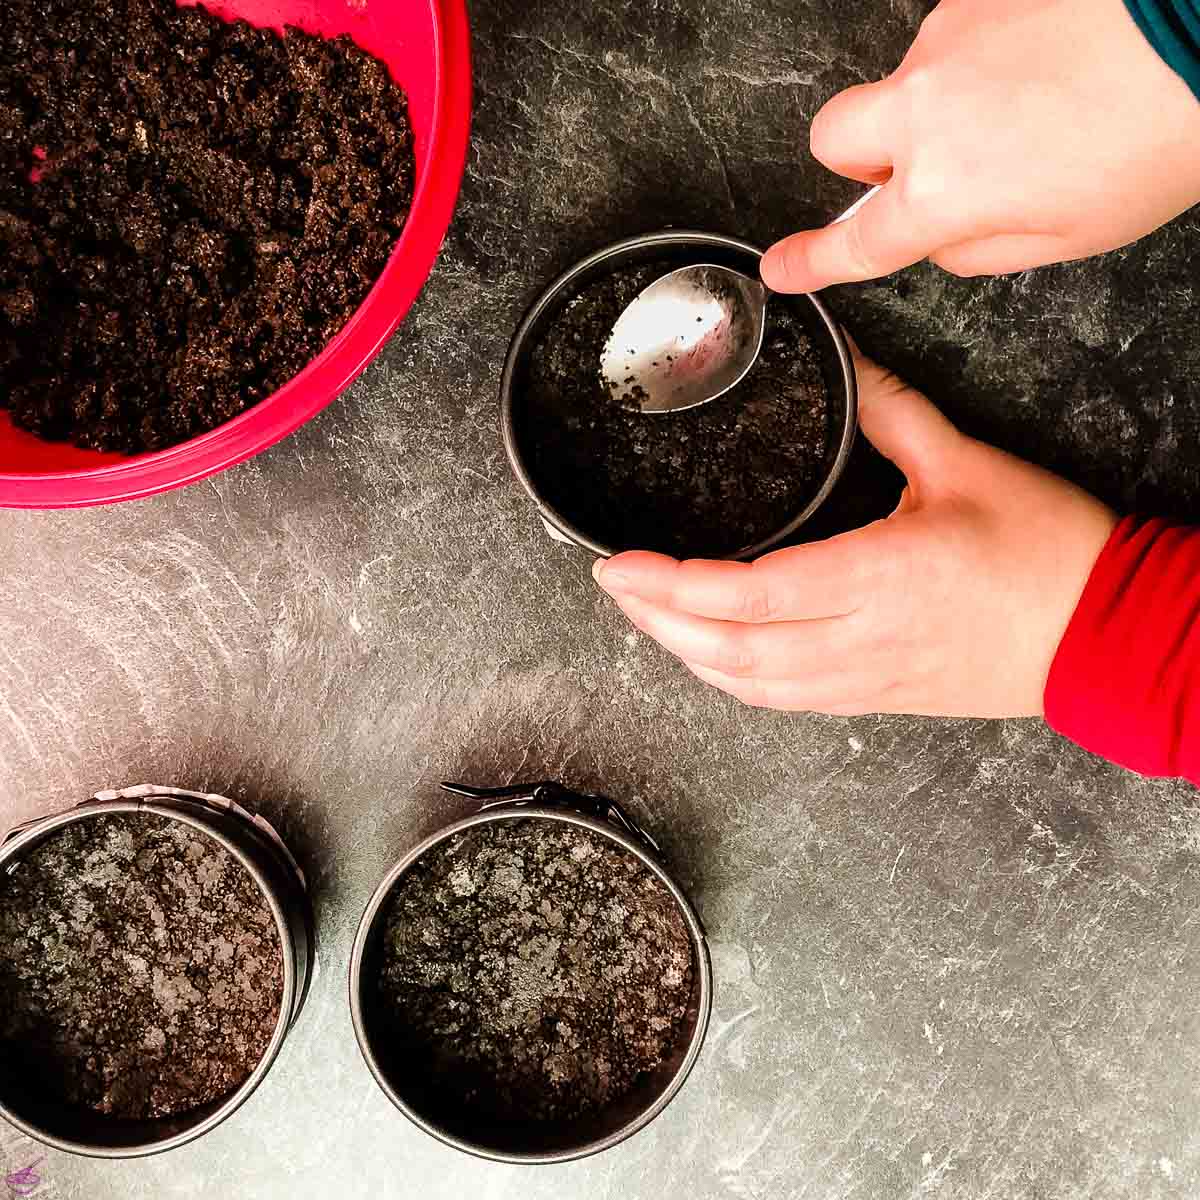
point(953, 959)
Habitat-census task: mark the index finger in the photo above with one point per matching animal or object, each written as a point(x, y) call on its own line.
point(801, 583)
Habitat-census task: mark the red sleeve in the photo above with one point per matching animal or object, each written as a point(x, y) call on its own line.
point(1126, 680)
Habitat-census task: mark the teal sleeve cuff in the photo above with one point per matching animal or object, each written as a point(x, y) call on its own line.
point(1173, 28)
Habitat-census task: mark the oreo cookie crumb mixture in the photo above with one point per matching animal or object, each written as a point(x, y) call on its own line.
point(708, 481)
point(140, 968)
point(538, 971)
point(189, 211)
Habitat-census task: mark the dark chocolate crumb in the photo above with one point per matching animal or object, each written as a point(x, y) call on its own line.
point(708, 481)
point(539, 970)
point(190, 210)
point(140, 968)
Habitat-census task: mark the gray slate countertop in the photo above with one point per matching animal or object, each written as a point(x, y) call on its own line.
point(953, 959)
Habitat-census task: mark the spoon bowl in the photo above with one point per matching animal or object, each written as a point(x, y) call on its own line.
point(687, 339)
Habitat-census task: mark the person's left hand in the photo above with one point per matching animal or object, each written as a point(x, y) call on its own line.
point(953, 606)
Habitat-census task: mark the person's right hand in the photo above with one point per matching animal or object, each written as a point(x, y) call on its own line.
point(1015, 133)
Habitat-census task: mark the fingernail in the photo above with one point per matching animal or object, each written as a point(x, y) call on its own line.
point(613, 581)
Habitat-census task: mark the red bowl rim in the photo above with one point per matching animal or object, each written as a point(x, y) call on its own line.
point(343, 359)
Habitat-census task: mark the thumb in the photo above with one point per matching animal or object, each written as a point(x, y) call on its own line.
point(902, 424)
point(883, 236)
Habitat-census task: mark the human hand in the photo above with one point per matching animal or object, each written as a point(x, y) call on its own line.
point(953, 606)
point(1015, 133)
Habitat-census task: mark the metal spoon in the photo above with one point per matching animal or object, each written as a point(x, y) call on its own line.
point(690, 336)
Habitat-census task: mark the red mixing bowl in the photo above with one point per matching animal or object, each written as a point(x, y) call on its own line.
point(426, 44)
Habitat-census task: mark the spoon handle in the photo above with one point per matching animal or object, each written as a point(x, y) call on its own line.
point(853, 209)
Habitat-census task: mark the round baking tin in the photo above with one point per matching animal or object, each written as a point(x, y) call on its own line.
point(682, 247)
point(257, 847)
point(408, 1090)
